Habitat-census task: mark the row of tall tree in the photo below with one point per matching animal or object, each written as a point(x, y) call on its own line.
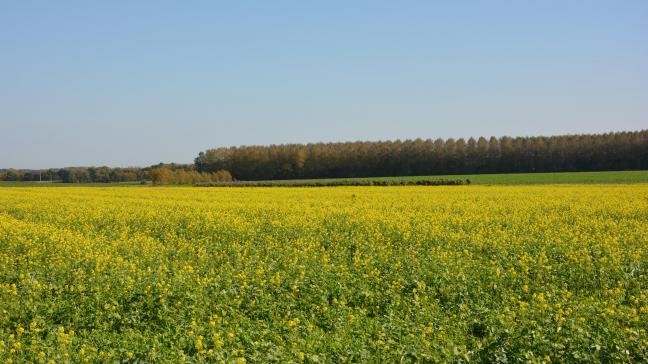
point(587, 152)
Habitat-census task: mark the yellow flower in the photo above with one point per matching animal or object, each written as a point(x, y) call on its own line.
point(199, 343)
point(292, 323)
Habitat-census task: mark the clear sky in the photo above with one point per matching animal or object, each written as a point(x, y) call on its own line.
point(132, 83)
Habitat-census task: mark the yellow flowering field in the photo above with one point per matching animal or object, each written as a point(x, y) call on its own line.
point(345, 274)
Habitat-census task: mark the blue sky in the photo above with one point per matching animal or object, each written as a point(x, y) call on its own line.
point(131, 83)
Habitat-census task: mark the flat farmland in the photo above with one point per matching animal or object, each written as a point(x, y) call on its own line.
point(605, 177)
point(550, 273)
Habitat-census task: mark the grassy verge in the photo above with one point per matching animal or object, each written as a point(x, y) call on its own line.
point(614, 177)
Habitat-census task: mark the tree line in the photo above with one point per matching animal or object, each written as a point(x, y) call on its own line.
point(160, 174)
point(564, 153)
point(76, 174)
point(88, 174)
point(167, 176)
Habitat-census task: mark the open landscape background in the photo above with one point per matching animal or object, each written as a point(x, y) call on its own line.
point(315, 182)
point(337, 162)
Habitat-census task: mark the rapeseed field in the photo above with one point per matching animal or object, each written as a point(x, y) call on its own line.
point(324, 275)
